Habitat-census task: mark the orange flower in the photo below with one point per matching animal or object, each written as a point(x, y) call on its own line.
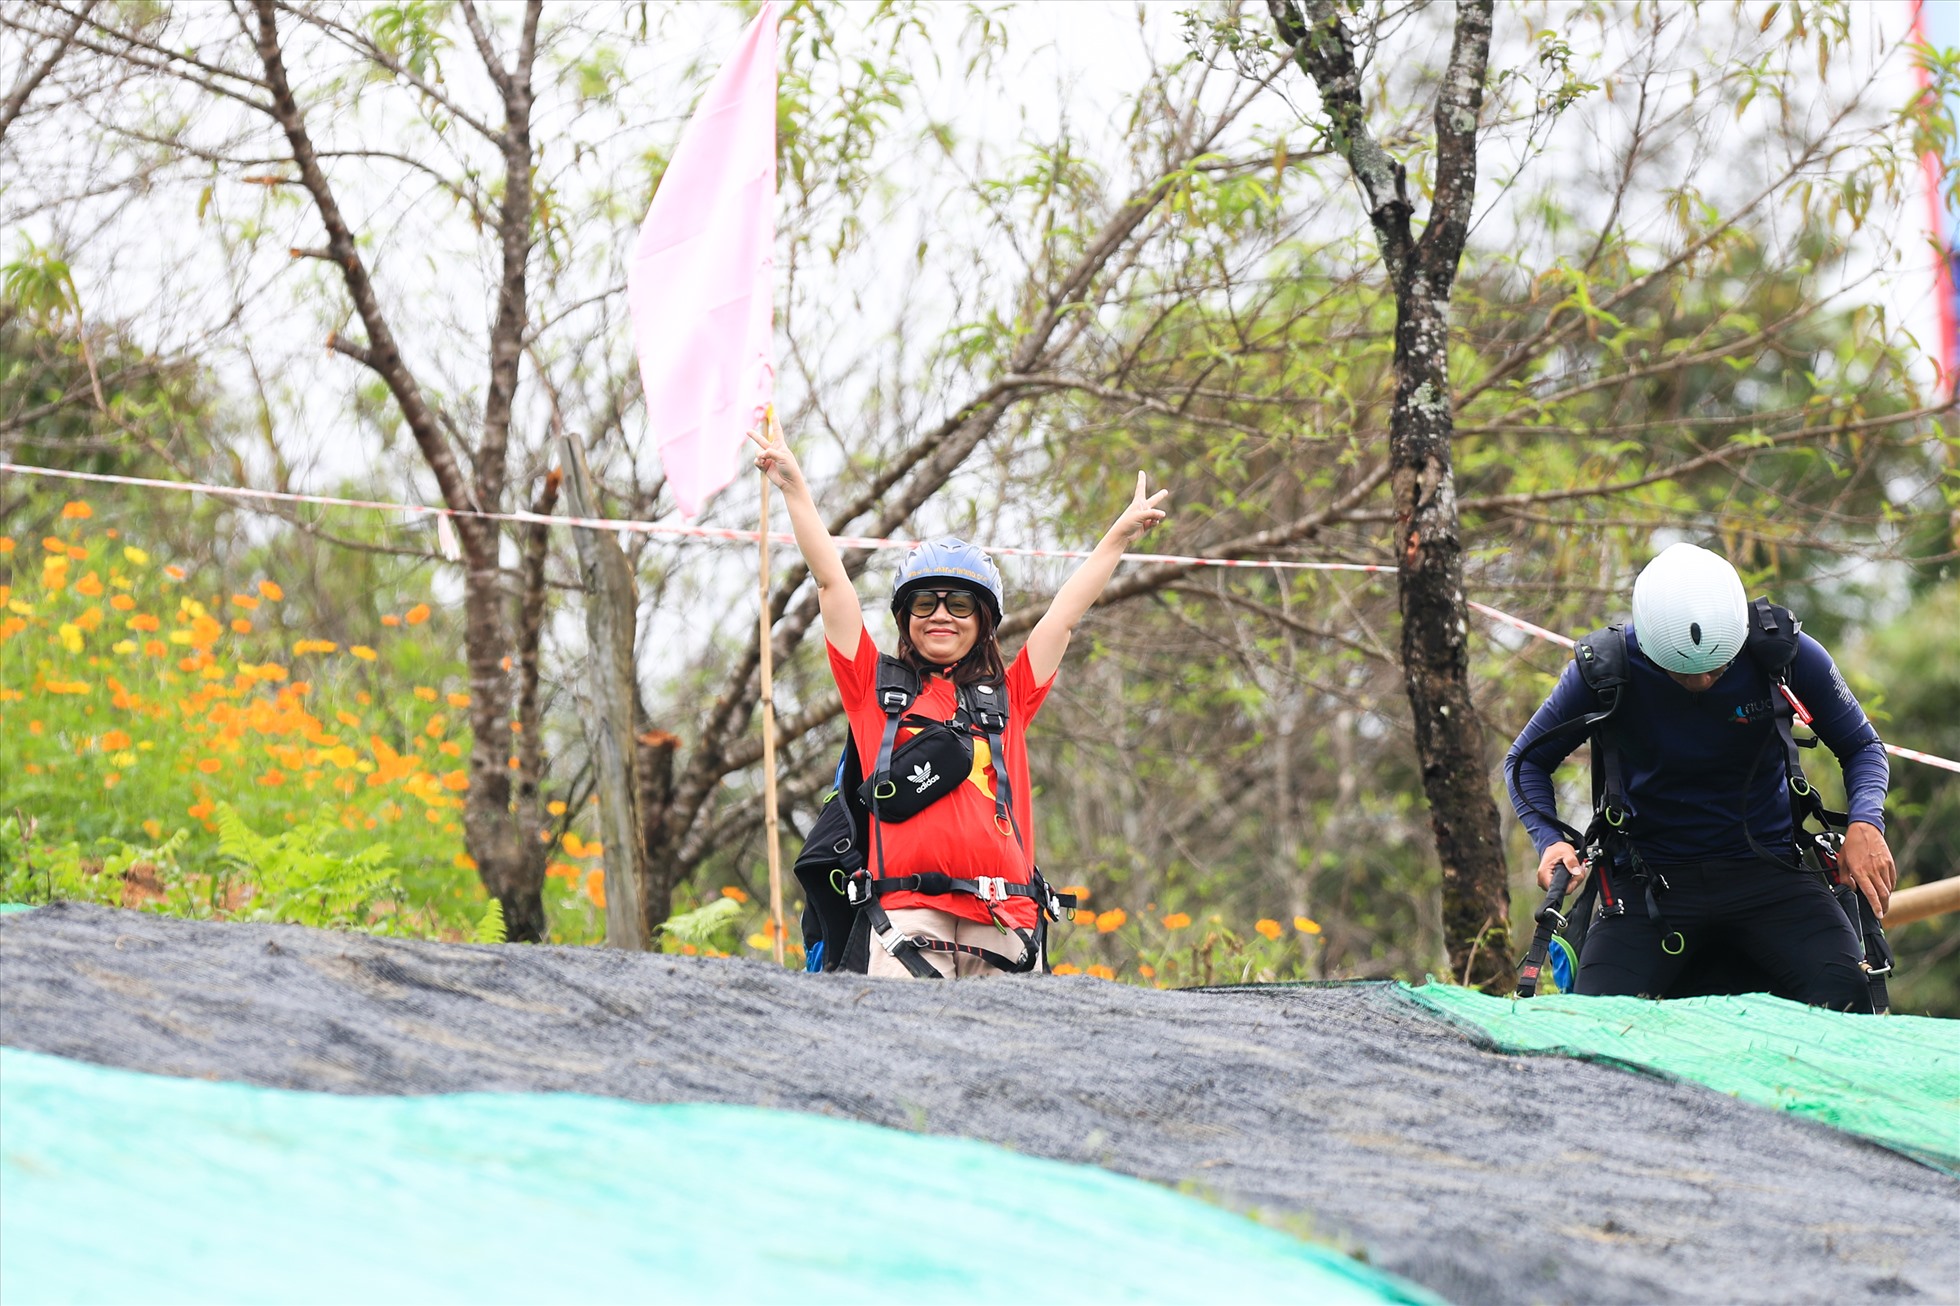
point(273, 779)
point(245, 601)
point(391, 620)
point(595, 888)
point(240, 626)
point(174, 571)
point(154, 648)
point(111, 780)
point(562, 871)
point(1102, 972)
point(456, 781)
point(1147, 972)
point(424, 693)
point(347, 718)
point(210, 766)
point(89, 586)
point(1066, 969)
point(1306, 925)
point(1081, 891)
point(1177, 920)
point(555, 807)
point(733, 893)
point(143, 621)
point(464, 862)
point(54, 544)
point(1268, 928)
point(122, 603)
point(574, 846)
point(437, 724)
point(76, 510)
point(458, 700)
point(6, 544)
point(363, 652)
point(417, 614)
point(115, 741)
point(153, 828)
point(1111, 920)
point(201, 810)
point(271, 590)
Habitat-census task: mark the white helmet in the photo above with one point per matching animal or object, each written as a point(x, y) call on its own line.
point(1689, 610)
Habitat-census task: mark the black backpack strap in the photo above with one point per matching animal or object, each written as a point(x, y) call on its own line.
point(1602, 661)
point(984, 704)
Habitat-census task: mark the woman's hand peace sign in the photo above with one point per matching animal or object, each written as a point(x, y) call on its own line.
point(1141, 515)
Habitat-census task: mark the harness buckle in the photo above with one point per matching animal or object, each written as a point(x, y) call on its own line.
point(990, 888)
point(891, 941)
point(894, 700)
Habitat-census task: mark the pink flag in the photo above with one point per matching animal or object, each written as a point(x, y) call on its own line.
point(701, 287)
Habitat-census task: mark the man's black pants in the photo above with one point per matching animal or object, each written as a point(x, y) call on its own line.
point(1749, 919)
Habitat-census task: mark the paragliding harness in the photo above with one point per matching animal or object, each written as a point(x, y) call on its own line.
point(1602, 660)
point(842, 914)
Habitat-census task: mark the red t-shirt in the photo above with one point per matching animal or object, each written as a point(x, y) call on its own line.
point(956, 835)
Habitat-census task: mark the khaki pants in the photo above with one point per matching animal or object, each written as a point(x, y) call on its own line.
point(947, 928)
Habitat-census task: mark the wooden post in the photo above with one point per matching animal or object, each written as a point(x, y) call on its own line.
point(770, 832)
point(1922, 901)
point(610, 620)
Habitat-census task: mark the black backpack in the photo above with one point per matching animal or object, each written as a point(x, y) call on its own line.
point(842, 917)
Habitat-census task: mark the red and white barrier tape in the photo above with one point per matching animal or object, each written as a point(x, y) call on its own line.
point(783, 537)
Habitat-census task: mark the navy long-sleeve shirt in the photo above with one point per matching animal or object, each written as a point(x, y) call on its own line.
point(1686, 758)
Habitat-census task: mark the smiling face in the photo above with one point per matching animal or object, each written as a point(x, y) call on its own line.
point(941, 637)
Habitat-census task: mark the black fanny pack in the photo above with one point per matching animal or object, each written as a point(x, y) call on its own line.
point(925, 768)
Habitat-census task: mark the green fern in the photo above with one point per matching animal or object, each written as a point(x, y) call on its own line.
point(491, 928)
point(698, 928)
point(301, 881)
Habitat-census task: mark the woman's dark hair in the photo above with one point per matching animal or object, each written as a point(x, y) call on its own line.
point(982, 661)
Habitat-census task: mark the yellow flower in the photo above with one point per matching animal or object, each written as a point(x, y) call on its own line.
point(1306, 925)
point(71, 638)
point(363, 652)
point(555, 807)
point(136, 555)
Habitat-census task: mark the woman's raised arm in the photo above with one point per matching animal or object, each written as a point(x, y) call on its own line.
point(1048, 641)
point(843, 619)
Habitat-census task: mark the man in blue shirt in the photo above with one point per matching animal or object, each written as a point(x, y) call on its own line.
point(1707, 856)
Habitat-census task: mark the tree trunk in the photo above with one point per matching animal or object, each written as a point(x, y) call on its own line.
point(1428, 543)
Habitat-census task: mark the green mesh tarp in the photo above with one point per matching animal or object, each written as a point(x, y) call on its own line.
point(1893, 1079)
point(118, 1186)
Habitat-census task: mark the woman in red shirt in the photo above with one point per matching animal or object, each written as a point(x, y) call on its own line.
point(947, 603)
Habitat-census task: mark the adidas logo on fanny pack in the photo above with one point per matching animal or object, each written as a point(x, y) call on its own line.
point(922, 776)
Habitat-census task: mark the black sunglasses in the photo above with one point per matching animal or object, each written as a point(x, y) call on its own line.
point(959, 603)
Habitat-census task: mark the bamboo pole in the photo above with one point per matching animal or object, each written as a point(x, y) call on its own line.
point(1921, 901)
point(771, 832)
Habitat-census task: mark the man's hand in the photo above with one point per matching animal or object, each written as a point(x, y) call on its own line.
point(1558, 854)
point(1868, 862)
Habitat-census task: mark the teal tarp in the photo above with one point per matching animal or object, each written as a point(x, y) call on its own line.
point(1893, 1079)
point(117, 1186)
